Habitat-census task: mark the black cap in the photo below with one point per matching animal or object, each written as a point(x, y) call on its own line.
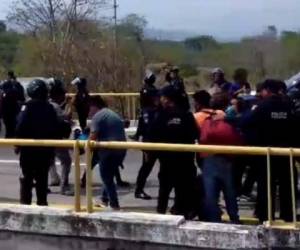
point(271, 85)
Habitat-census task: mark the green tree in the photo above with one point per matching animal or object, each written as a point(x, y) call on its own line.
point(133, 26)
point(2, 27)
point(201, 43)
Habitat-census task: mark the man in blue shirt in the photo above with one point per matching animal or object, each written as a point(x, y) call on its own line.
point(107, 126)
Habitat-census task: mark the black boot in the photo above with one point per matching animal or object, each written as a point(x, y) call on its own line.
point(25, 192)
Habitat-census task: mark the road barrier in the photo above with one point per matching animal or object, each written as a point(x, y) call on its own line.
point(230, 150)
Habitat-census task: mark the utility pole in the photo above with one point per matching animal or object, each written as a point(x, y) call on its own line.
point(115, 24)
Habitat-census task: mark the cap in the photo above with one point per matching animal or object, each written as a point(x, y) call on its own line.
point(271, 85)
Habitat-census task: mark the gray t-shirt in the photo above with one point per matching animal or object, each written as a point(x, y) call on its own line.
point(108, 126)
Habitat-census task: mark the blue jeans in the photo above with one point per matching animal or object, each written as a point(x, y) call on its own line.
point(217, 177)
point(108, 165)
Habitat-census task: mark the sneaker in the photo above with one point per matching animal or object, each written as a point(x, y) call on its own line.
point(123, 184)
point(67, 192)
point(246, 198)
point(142, 195)
point(100, 204)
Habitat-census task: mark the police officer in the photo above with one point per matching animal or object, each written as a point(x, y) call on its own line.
point(37, 120)
point(81, 101)
point(150, 97)
point(177, 82)
point(12, 97)
point(177, 170)
point(274, 125)
point(18, 86)
point(148, 90)
point(58, 100)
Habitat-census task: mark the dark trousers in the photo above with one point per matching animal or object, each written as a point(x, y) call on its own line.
point(149, 159)
point(108, 165)
point(10, 122)
point(95, 161)
point(251, 177)
point(281, 178)
point(239, 169)
point(179, 174)
point(34, 170)
point(82, 117)
point(217, 177)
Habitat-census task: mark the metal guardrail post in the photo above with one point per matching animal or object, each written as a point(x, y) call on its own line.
point(293, 188)
point(133, 108)
point(89, 177)
point(77, 201)
point(128, 98)
point(269, 183)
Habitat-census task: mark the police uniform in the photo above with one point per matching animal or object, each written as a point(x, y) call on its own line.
point(178, 84)
point(177, 170)
point(12, 97)
point(148, 110)
point(148, 116)
point(81, 101)
point(274, 126)
point(146, 95)
point(37, 120)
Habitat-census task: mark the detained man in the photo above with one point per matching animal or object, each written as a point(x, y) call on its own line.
point(107, 125)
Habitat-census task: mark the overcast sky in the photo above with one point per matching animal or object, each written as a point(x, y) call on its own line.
point(222, 18)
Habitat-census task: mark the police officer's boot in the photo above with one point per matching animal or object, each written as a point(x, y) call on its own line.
point(25, 192)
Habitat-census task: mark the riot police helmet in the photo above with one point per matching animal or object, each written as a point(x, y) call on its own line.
point(37, 89)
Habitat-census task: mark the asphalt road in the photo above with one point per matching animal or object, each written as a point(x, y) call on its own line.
point(10, 172)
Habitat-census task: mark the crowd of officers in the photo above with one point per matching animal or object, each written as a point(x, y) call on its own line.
point(43, 111)
point(225, 114)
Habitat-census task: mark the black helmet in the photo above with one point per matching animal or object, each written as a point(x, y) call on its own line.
point(81, 83)
point(56, 88)
point(53, 82)
point(150, 79)
point(37, 89)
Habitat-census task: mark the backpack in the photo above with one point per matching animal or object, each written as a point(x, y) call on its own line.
point(219, 132)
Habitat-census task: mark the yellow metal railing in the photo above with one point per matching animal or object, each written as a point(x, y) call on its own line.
point(230, 150)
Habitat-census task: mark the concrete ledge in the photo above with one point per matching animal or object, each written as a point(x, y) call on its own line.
point(140, 227)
